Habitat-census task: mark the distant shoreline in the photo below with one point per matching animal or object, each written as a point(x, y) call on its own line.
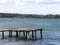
point(12, 15)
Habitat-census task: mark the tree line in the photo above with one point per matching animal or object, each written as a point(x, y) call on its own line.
point(15, 15)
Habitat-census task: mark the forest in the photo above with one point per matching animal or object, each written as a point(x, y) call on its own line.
point(16, 15)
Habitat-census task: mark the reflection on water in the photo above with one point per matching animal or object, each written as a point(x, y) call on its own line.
point(38, 42)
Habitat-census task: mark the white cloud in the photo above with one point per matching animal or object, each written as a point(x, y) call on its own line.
point(18, 4)
point(37, 1)
point(42, 1)
point(23, 6)
point(56, 0)
point(3, 1)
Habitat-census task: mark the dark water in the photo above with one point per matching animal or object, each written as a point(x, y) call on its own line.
point(51, 32)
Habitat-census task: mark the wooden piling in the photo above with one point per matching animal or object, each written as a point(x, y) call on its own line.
point(16, 34)
point(41, 33)
point(10, 33)
point(24, 34)
point(2, 34)
point(28, 35)
point(19, 33)
point(32, 34)
point(35, 34)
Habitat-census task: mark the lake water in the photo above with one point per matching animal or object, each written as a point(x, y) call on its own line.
point(51, 30)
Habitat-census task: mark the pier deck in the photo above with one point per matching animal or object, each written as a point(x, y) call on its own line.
point(25, 32)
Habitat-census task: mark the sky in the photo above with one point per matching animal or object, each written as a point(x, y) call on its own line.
point(30, 6)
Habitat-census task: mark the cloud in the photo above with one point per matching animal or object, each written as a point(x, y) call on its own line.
point(18, 3)
point(29, 6)
point(55, 0)
point(37, 1)
point(43, 1)
point(3, 1)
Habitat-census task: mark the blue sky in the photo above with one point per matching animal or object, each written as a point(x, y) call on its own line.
point(30, 6)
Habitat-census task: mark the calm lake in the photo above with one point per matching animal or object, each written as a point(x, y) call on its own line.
point(51, 30)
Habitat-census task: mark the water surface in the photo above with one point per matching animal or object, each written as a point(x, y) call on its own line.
point(51, 30)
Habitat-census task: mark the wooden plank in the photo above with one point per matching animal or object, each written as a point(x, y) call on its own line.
point(21, 29)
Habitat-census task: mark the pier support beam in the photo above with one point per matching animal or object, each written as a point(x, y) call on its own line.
point(24, 34)
point(10, 33)
point(41, 33)
point(35, 34)
point(27, 35)
point(19, 33)
point(32, 34)
point(16, 34)
point(2, 34)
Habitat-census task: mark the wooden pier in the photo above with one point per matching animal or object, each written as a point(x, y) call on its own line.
point(25, 32)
